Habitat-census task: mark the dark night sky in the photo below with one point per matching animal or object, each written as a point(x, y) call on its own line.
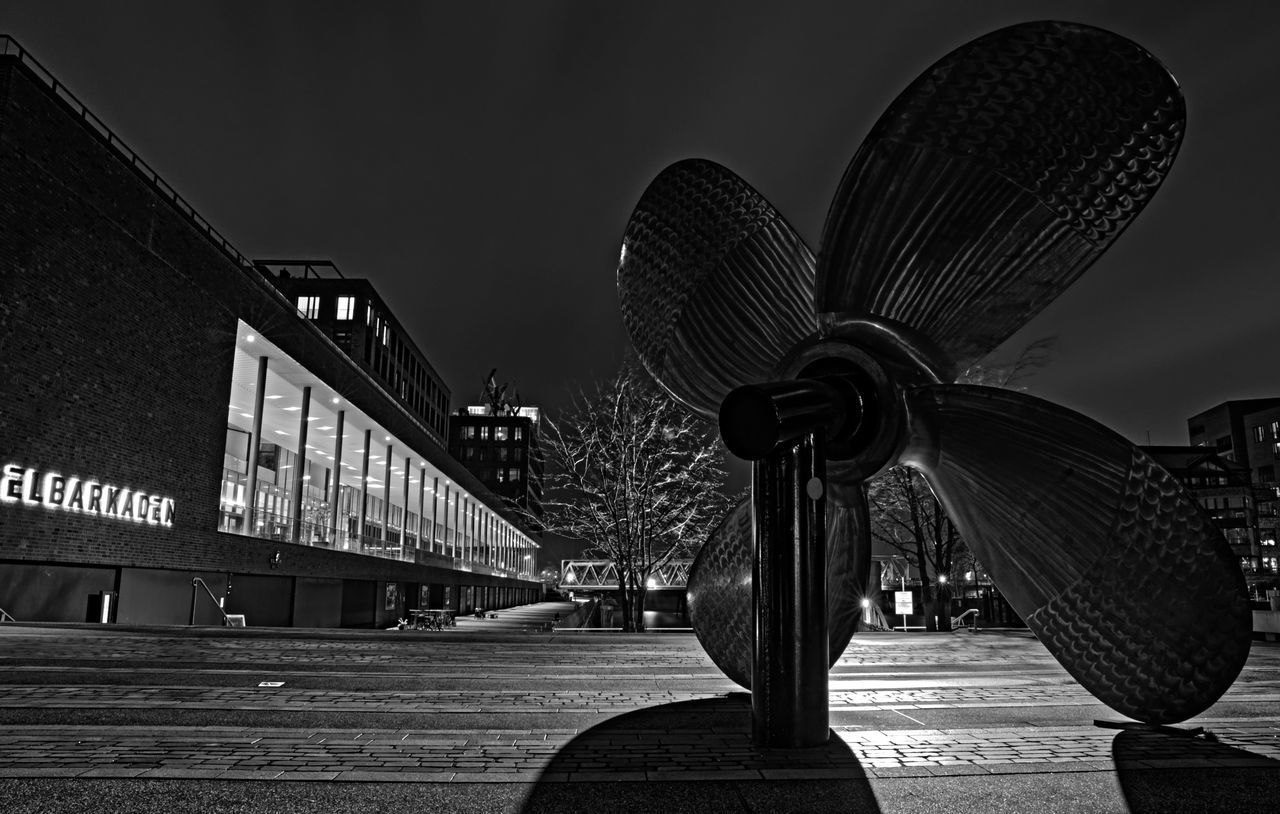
point(478, 161)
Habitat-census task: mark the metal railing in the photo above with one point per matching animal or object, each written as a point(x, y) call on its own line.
point(226, 620)
point(278, 528)
point(5, 616)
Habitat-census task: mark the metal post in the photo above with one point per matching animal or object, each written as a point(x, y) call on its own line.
point(337, 479)
point(364, 490)
point(300, 469)
point(255, 440)
point(386, 500)
point(789, 592)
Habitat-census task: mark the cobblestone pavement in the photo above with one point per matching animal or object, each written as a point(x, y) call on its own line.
point(594, 707)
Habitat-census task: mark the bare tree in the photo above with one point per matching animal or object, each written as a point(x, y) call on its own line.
point(636, 477)
point(906, 517)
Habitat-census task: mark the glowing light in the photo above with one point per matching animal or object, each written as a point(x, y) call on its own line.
point(31, 487)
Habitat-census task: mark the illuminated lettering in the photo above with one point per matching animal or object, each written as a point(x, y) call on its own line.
point(12, 484)
point(54, 490)
point(32, 479)
point(35, 487)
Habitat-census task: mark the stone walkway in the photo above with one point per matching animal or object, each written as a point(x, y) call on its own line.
point(595, 707)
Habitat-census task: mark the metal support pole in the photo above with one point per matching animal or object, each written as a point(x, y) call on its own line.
point(789, 593)
point(255, 441)
point(299, 470)
point(337, 480)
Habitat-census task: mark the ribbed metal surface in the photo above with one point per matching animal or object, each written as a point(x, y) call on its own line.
point(995, 179)
point(714, 285)
point(719, 589)
point(1111, 563)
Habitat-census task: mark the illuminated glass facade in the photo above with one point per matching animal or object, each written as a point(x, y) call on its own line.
point(326, 474)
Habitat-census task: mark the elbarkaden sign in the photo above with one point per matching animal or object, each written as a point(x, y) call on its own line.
point(32, 487)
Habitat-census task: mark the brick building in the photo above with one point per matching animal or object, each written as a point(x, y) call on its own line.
point(501, 448)
point(168, 414)
point(1249, 429)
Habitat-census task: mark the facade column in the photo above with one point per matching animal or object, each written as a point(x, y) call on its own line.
point(435, 512)
point(404, 511)
point(255, 441)
point(386, 497)
point(337, 480)
point(422, 502)
point(364, 490)
point(444, 537)
point(300, 469)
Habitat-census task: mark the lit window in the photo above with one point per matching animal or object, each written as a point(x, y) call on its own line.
point(468, 433)
point(517, 433)
point(309, 307)
point(513, 474)
point(1259, 433)
point(499, 433)
point(346, 307)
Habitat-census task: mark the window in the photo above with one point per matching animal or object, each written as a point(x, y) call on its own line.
point(309, 307)
point(468, 433)
point(517, 433)
point(485, 434)
point(1275, 429)
point(502, 453)
point(513, 474)
point(346, 307)
point(343, 340)
point(1266, 474)
point(500, 433)
point(1259, 433)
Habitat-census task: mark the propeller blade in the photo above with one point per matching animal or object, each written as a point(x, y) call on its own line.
point(719, 588)
point(1110, 562)
point(715, 286)
point(995, 179)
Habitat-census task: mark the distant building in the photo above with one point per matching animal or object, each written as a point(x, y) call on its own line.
point(1222, 428)
point(1247, 431)
point(501, 448)
point(350, 312)
point(1225, 490)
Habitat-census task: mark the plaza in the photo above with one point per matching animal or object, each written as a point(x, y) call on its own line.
point(501, 715)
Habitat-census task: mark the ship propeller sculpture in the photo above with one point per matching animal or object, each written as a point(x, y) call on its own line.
point(987, 187)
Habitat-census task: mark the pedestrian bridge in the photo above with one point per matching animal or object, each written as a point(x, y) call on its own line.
point(579, 575)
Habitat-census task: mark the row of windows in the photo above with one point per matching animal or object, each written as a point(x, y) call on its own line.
point(492, 432)
point(309, 307)
point(1260, 432)
point(474, 453)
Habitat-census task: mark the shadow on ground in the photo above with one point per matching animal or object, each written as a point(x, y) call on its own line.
point(1234, 780)
point(697, 756)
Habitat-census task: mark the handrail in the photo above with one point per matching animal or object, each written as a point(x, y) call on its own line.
point(5, 616)
point(197, 581)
